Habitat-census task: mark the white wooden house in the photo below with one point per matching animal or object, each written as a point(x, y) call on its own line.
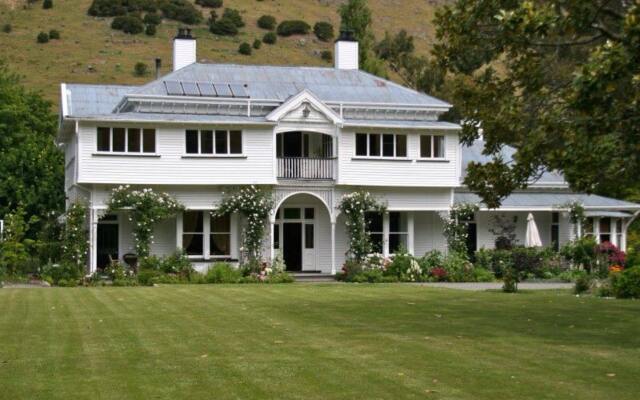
point(311, 135)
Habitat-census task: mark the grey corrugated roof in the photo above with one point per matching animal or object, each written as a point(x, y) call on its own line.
point(179, 118)
point(267, 82)
point(549, 199)
point(401, 124)
point(83, 100)
point(474, 153)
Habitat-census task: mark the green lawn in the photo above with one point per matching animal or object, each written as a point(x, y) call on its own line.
point(315, 342)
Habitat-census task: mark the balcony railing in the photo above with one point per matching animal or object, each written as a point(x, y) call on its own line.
point(305, 168)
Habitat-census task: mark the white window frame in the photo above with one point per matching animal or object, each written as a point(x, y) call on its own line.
point(380, 144)
point(214, 131)
point(203, 233)
point(126, 141)
point(432, 156)
point(406, 233)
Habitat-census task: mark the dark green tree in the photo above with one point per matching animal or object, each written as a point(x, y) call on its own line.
point(355, 16)
point(558, 80)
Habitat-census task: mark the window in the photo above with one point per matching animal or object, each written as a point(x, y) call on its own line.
point(309, 213)
point(373, 221)
point(381, 145)
point(126, 140)
point(605, 230)
point(193, 233)
point(292, 213)
point(219, 142)
point(588, 227)
point(398, 231)
point(555, 231)
point(308, 236)
point(432, 146)
point(220, 242)
point(276, 236)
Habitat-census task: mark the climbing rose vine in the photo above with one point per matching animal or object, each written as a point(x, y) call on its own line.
point(455, 226)
point(353, 206)
point(254, 204)
point(146, 208)
point(75, 240)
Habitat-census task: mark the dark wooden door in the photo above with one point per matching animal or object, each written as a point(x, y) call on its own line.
point(107, 244)
point(472, 240)
point(292, 245)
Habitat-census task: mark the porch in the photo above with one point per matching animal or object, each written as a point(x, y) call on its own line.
point(305, 155)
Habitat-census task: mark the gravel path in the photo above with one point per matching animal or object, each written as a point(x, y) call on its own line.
point(479, 286)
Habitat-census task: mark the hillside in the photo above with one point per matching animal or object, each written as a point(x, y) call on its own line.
point(89, 51)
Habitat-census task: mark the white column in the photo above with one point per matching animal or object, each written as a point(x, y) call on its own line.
point(93, 241)
point(179, 217)
point(385, 233)
point(614, 231)
point(235, 228)
point(333, 247)
point(411, 232)
point(623, 240)
point(206, 230)
point(596, 229)
point(271, 240)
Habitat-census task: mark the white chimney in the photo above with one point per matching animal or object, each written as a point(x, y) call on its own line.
point(184, 49)
point(346, 51)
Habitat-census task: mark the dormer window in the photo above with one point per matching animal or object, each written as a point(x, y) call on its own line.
point(210, 142)
point(381, 145)
point(126, 140)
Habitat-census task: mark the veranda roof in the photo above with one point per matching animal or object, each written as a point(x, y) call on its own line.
point(531, 201)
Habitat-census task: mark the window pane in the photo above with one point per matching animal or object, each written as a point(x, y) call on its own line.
point(104, 140)
point(401, 145)
point(276, 236)
point(588, 225)
point(118, 139)
point(373, 221)
point(376, 241)
point(397, 241)
point(605, 238)
point(221, 142)
point(361, 144)
point(278, 214)
point(133, 140)
point(387, 145)
point(555, 237)
point(425, 146)
point(192, 221)
point(309, 213)
point(374, 144)
point(291, 213)
point(235, 142)
point(220, 244)
point(149, 141)
point(397, 222)
point(605, 225)
point(555, 217)
point(206, 142)
point(438, 146)
point(221, 224)
point(308, 236)
point(192, 244)
point(192, 142)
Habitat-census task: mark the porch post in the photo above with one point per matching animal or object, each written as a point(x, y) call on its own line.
point(385, 234)
point(271, 239)
point(614, 232)
point(411, 231)
point(596, 229)
point(179, 217)
point(333, 247)
point(93, 240)
point(623, 239)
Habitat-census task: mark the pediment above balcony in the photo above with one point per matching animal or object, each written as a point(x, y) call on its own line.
point(304, 107)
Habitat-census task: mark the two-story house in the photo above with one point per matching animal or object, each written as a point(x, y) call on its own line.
point(310, 134)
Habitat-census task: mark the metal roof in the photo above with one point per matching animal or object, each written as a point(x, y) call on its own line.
point(83, 100)
point(555, 200)
point(615, 214)
point(399, 124)
point(474, 153)
point(267, 82)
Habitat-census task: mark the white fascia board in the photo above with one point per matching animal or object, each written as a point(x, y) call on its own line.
point(297, 100)
point(172, 121)
point(427, 126)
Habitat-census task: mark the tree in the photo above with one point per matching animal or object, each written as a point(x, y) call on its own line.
point(355, 17)
point(557, 80)
point(31, 166)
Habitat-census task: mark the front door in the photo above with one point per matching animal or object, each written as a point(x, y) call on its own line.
point(107, 244)
point(292, 245)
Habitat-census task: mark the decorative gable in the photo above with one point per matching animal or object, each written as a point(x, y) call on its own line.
point(304, 107)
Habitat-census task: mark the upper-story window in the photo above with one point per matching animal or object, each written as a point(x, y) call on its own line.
point(381, 145)
point(126, 140)
point(213, 142)
point(432, 146)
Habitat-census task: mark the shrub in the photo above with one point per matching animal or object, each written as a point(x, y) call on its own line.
point(43, 37)
point(581, 253)
point(482, 275)
point(583, 283)
point(510, 281)
point(14, 247)
point(626, 284)
point(270, 38)
point(7, 28)
point(257, 44)
point(496, 261)
point(267, 22)
point(222, 273)
point(54, 34)
point(140, 69)
point(152, 19)
point(323, 31)
point(350, 269)
point(177, 263)
point(181, 10)
point(293, 27)
point(439, 274)
point(234, 16)
point(47, 4)
point(150, 30)
point(223, 27)
point(527, 260)
point(128, 24)
point(146, 277)
point(404, 267)
point(327, 55)
point(209, 3)
point(280, 277)
point(431, 259)
point(245, 48)
point(64, 274)
point(458, 267)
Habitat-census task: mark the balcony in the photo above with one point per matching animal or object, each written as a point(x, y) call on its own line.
point(305, 155)
point(306, 168)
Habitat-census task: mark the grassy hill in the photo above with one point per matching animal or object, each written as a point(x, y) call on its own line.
point(89, 51)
